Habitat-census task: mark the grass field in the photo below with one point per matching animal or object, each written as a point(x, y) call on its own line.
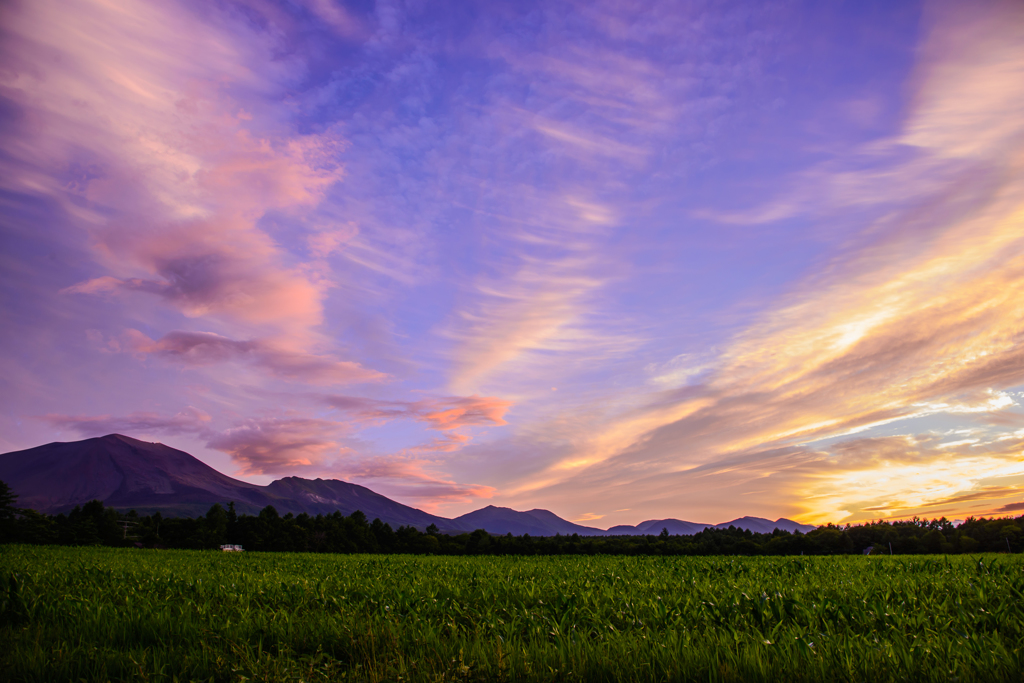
point(100, 614)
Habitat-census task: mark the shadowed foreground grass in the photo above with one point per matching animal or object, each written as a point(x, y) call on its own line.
point(100, 614)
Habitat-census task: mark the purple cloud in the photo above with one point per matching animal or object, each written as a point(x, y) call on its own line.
point(188, 421)
point(205, 348)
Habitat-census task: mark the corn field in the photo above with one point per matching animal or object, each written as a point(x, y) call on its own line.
point(99, 614)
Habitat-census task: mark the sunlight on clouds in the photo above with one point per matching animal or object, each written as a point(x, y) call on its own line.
point(852, 332)
point(412, 477)
point(961, 442)
point(985, 107)
point(680, 370)
point(997, 400)
point(923, 318)
point(587, 517)
point(902, 490)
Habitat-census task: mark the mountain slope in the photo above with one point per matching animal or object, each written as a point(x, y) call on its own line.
point(325, 496)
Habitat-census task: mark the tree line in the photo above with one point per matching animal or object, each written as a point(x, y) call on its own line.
point(95, 524)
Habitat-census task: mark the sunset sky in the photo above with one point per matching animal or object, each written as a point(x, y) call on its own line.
point(622, 261)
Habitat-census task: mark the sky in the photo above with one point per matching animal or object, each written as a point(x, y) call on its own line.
point(618, 260)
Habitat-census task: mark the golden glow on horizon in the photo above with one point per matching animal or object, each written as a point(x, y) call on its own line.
point(945, 487)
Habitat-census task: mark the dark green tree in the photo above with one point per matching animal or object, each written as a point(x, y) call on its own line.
point(7, 500)
point(8, 513)
point(215, 527)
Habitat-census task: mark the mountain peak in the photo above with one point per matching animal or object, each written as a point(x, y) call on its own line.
point(126, 439)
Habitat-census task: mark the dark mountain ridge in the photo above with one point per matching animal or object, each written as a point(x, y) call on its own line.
point(121, 472)
point(126, 473)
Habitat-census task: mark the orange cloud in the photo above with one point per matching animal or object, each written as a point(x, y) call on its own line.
point(441, 413)
point(462, 411)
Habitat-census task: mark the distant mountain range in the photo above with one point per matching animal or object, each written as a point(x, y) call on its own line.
point(543, 523)
point(126, 473)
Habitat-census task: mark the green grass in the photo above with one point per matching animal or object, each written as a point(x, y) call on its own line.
point(99, 614)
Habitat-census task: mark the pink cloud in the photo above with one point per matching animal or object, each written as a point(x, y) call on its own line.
point(176, 114)
point(462, 411)
point(412, 478)
point(315, 447)
point(96, 285)
point(281, 445)
point(325, 242)
point(334, 15)
point(446, 414)
point(446, 443)
point(205, 348)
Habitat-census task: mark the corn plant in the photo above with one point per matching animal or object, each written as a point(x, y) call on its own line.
point(99, 614)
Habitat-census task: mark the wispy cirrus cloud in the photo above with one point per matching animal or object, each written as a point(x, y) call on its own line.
point(602, 108)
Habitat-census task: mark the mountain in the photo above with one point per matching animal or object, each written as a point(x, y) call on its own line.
point(503, 521)
point(122, 472)
point(654, 526)
point(126, 473)
point(325, 496)
point(759, 525)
